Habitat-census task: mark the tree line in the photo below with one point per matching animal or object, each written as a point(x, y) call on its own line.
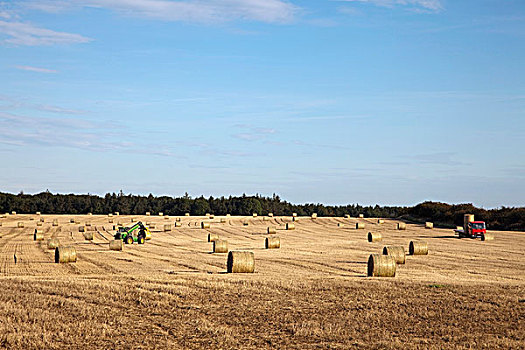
point(442, 214)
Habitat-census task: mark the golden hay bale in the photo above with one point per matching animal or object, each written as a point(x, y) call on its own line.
point(340, 224)
point(31, 219)
point(38, 213)
point(223, 220)
point(117, 213)
point(65, 254)
point(380, 221)
point(115, 244)
point(88, 235)
point(53, 243)
point(347, 216)
point(211, 217)
point(167, 227)
point(418, 248)
point(55, 222)
point(71, 221)
point(270, 215)
point(220, 246)
point(374, 237)
point(228, 215)
point(290, 226)
point(361, 216)
point(20, 224)
point(401, 226)
point(178, 219)
point(42, 219)
point(133, 220)
point(205, 225)
point(148, 213)
point(314, 216)
point(110, 221)
point(398, 252)
point(13, 213)
point(487, 237)
point(110, 215)
point(359, 226)
point(381, 266)
point(186, 214)
point(166, 218)
point(1, 223)
point(161, 214)
point(295, 219)
point(90, 214)
point(39, 223)
point(81, 229)
point(254, 215)
point(38, 235)
point(88, 223)
point(294, 215)
point(459, 228)
point(212, 237)
point(270, 230)
point(240, 262)
point(429, 225)
point(178, 224)
point(272, 243)
point(467, 218)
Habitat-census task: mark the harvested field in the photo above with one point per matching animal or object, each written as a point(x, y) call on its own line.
point(311, 293)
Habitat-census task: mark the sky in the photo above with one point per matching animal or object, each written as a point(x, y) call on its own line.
point(389, 102)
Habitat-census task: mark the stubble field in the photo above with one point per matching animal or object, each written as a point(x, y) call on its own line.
point(312, 293)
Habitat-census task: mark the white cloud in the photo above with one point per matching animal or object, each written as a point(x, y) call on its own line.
point(36, 69)
point(207, 11)
point(21, 33)
point(430, 5)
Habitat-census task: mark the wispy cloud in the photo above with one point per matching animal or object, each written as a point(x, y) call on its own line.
point(207, 11)
point(441, 158)
point(428, 5)
point(22, 33)
point(36, 69)
point(251, 133)
point(8, 103)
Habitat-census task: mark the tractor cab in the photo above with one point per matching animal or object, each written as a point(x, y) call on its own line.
point(477, 228)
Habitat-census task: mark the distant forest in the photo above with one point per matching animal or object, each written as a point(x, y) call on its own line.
point(441, 214)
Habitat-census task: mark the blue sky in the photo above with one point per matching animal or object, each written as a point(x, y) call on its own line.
point(382, 101)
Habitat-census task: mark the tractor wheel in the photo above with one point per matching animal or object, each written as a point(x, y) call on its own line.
point(141, 240)
point(129, 240)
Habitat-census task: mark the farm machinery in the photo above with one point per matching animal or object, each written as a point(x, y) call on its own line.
point(473, 229)
point(136, 233)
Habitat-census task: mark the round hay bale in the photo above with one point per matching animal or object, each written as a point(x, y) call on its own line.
point(90, 214)
point(401, 226)
point(71, 221)
point(110, 221)
point(39, 223)
point(381, 266)
point(205, 225)
point(294, 215)
point(133, 220)
point(270, 215)
point(53, 243)
point(223, 220)
point(240, 262)
point(271, 230)
point(314, 216)
point(55, 222)
point(418, 248)
point(1, 223)
point(347, 216)
point(166, 218)
point(20, 224)
point(38, 213)
point(212, 237)
point(81, 229)
point(117, 213)
point(487, 237)
point(459, 228)
point(254, 215)
point(361, 216)
point(295, 219)
point(265, 218)
point(88, 223)
point(178, 224)
point(115, 244)
point(211, 217)
point(359, 226)
point(65, 255)
point(42, 219)
point(340, 224)
point(167, 227)
point(186, 214)
point(13, 213)
point(429, 225)
point(161, 214)
point(290, 226)
point(88, 236)
point(374, 237)
point(397, 252)
point(148, 213)
point(220, 246)
point(380, 221)
point(38, 235)
point(228, 215)
point(178, 219)
point(110, 215)
point(272, 243)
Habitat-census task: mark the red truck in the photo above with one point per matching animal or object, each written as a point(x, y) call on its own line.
point(473, 229)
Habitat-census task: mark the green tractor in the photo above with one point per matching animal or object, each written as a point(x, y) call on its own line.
point(136, 233)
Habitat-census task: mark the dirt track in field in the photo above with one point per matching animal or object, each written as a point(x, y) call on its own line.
point(311, 293)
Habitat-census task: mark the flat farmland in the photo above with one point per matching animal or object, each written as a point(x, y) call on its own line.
point(312, 293)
